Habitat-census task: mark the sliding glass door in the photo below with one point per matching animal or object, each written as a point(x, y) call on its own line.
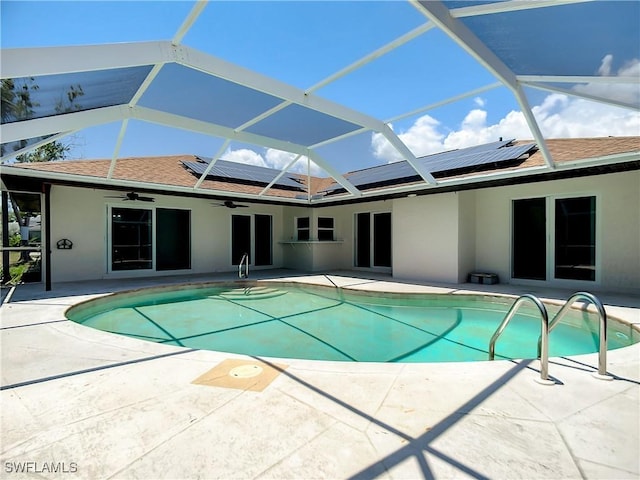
point(554, 238)
point(253, 235)
point(372, 240)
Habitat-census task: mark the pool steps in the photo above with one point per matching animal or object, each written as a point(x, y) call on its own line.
point(250, 293)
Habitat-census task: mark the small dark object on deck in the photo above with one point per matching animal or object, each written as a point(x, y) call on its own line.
point(484, 278)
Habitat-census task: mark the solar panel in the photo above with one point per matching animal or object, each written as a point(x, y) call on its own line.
point(225, 169)
point(439, 163)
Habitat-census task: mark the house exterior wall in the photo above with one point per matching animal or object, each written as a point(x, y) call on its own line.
point(79, 215)
point(88, 229)
point(617, 226)
point(466, 235)
point(425, 237)
point(438, 238)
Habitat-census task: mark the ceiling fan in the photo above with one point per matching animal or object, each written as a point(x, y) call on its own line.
point(230, 204)
point(133, 196)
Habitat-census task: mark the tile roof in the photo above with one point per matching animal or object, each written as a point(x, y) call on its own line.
point(169, 170)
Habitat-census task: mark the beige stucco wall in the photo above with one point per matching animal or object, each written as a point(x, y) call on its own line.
point(466, 234)
point(440, 237)
point(425, 237)
point(80, 216)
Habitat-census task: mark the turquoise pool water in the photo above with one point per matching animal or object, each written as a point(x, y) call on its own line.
point(318, 323)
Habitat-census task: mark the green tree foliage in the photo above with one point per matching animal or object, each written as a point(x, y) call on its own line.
point(45, 153)
point(18, 104)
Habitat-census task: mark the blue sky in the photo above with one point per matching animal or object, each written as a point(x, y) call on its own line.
point(301, 43)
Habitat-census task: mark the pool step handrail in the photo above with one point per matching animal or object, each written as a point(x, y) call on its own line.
point(543, 352)
point(602, 335)
point(245, 260)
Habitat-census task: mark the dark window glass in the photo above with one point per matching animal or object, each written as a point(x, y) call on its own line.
point(529, 239)
point(575, 242)
point(131, 247)
point(325, 229)
point(325, 235)
point(240, 237)
point(382, 240)
point(302, 227)
point(363, 240)
point(325, 222)
point(173, 239)
point(263, 240)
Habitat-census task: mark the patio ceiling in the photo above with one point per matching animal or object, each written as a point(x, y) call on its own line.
point(176, 85)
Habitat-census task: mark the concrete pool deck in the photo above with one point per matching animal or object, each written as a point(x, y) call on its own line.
point(82, 403)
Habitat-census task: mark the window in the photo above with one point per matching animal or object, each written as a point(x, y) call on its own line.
point(135, 247)
point(575, 242)
point(325, 229)
point(131, 247)
point(554, 238)
point(302, 228)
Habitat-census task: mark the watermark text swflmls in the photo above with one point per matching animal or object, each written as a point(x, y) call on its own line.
point(40, 467)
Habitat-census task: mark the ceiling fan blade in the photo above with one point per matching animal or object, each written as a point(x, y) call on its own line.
point(146, 199)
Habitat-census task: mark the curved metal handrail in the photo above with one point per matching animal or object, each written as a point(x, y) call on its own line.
point(543, 351)
point(245, 260)
point(602, 348)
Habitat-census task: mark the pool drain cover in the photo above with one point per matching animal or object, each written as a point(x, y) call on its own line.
point(245, 371)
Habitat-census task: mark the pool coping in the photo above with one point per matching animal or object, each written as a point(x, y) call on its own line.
point(331, 419)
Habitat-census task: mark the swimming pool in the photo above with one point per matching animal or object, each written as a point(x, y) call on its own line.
point(321, 323)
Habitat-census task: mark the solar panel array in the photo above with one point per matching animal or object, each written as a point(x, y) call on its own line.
point(438, 164)
point(232, 171)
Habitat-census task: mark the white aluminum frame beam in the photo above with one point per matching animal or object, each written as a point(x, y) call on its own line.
point(337, 176)
point(188, 22)
point(281, 174)
point(398, 42)
point(39, 127)
point(435, 11)
point(579, 79)
point(442, 103)
point(34, 62)
point(508, 6)
point(586, 96)
point(58, 60)
point(35, 145)
point(213, 161)
point(176, 121)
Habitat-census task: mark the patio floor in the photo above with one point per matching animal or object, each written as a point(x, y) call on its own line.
point(82, 403)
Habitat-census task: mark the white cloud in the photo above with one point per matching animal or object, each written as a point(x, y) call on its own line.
point(244, 155)
point(272, 159)
point(480, 102)
point(558, 116)
point(623, 92)
point(279, 159)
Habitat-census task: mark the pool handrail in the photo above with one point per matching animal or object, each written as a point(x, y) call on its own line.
point(245, 260)
point(602, 335)
point(543, 351)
